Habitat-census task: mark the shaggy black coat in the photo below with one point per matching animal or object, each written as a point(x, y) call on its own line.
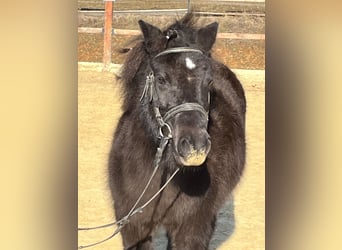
point(188, 207)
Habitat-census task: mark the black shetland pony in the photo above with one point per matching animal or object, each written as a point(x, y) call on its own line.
point(173, 88)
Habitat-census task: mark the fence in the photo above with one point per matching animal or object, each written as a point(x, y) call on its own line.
point(108, 30)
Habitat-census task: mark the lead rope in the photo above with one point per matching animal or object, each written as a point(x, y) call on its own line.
point(122, 222)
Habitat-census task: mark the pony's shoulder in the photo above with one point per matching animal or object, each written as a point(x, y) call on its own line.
point(226, 81)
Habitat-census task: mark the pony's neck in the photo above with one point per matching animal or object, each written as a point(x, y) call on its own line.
point(148, 121)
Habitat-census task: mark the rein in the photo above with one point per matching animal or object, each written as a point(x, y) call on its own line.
point(164, 137)
point(134, 210)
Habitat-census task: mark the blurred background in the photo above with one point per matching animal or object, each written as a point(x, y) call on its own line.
point(244, 18)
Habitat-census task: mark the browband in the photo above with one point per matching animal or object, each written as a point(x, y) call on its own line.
point(178, 50)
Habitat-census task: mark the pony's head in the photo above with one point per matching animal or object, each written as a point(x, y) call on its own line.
point(178, 78)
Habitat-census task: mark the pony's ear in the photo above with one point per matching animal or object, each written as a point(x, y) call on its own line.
point(153, 37)
point(206, 36)
point(149, 31)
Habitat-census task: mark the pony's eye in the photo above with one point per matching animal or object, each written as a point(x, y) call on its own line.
point(161, 80)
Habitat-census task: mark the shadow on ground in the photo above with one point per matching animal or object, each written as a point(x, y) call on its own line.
point(225, 226)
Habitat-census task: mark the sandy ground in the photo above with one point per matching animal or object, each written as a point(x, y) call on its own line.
point(98, 113)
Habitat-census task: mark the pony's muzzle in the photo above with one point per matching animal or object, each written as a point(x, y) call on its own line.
point(193, 151)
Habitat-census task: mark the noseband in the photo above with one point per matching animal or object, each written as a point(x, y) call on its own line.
point(150, 89)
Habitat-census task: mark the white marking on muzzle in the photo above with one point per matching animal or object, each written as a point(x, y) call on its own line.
point(189, 63)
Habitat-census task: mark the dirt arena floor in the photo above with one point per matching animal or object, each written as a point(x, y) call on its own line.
point(98, 113)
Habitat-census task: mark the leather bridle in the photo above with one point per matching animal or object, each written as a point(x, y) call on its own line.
point(150, 89)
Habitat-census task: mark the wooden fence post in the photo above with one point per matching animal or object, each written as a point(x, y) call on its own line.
point(107, 38)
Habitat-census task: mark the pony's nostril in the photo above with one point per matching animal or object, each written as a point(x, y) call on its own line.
point(192, 151)
point(202, 144)
point(184, 147)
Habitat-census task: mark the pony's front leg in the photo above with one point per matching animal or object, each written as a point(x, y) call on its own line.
point(136, 237)
point(193, 235)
